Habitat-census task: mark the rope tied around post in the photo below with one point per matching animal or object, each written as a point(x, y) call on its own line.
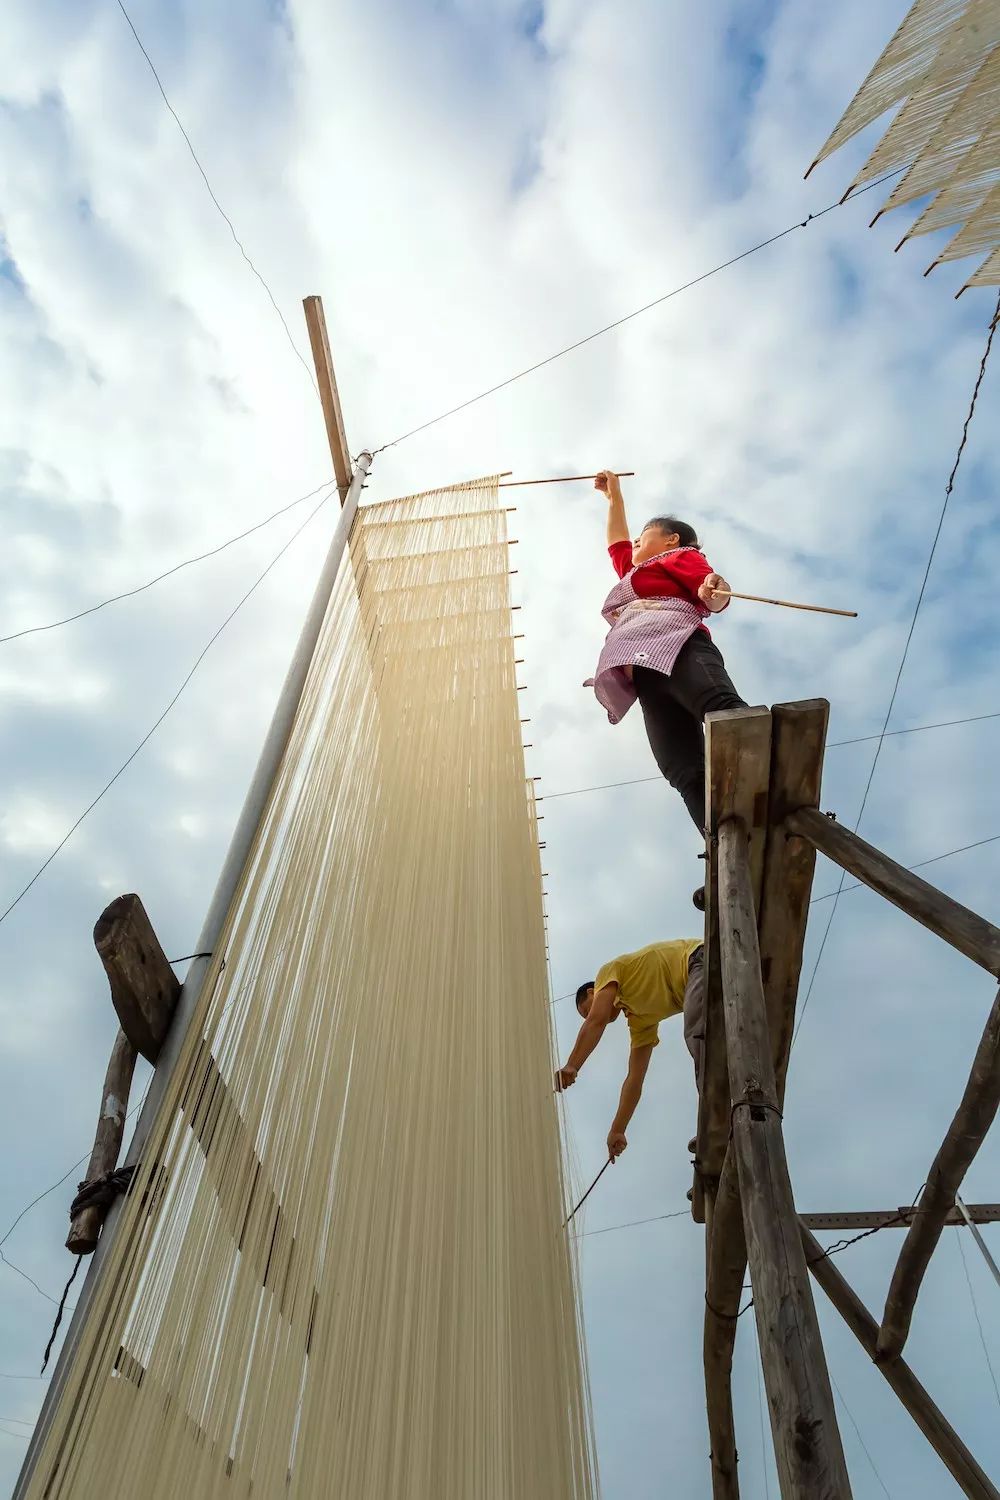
point(102, 1191)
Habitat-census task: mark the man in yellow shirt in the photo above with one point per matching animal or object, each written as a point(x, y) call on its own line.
point(650, 985)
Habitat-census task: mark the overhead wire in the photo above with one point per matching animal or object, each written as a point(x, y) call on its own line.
point(921, 863)
point(211, 193)
point(150, 732)
point(637, 312)
point(177, 568)
point(949, 487)
point(857, 1429)
point(606, 786)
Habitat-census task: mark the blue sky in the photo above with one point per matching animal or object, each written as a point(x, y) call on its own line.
point(470, 186)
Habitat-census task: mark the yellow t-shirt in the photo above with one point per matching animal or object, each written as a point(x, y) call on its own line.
point(651, 985)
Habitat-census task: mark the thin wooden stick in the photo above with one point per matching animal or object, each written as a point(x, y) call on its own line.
point(816, 609)
point(561, 479)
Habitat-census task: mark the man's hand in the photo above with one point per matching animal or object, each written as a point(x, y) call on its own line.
point(708, 591)
point(565, 1078)
point(607, 483)
point(616, 1143)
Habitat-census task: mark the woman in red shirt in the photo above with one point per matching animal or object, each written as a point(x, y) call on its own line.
point(658, 649)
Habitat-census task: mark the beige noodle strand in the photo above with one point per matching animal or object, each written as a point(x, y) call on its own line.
point(339, 1274)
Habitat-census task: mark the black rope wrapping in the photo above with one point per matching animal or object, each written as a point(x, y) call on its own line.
point(103, 1191)
point(727, 1317)
point(752, 1104)
point(59, 1313)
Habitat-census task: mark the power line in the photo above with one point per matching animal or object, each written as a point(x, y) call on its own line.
point(681, 1213)
point(949, 487)
point(864, 739)
point(859, 885)
point(149, 734)
point(857, 1429)
point(627, 318)
point(760, 1411)
point(236, 239)
point(30, 1280)
point(975, 1309)
point(130, 593)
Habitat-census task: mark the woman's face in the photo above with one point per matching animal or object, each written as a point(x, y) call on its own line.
point(651, 543)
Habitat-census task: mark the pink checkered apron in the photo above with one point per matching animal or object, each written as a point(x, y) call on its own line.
point(644, 633)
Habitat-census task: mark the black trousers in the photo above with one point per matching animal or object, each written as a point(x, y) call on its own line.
point(674, 708)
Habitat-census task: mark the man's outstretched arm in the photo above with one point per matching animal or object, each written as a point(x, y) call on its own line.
point(602, 1011)
point(638, 1062)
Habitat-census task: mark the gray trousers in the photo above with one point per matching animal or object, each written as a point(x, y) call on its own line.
point(694, 1012)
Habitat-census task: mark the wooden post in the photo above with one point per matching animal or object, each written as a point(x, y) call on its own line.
point(727, 1263)
point(807, 1444)
point(144, 988)
point(936, 1429)
point(332, 414)
point(85, 1225)
point(966, 1133)
point(962, 928)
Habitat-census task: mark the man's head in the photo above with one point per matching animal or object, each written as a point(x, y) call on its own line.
point(585, 998)
point(662, 534)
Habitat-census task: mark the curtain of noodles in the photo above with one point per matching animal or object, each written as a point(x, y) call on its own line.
point(340, 1271)
point(943, 68)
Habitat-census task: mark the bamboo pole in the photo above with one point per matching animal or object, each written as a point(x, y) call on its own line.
point(807, 1444)
point(514, 484)
point(943, 1438)
point(815, 609)
point(966, 1133)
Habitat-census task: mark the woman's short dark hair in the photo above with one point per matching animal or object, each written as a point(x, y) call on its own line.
point(581, 993)
point(670, 525)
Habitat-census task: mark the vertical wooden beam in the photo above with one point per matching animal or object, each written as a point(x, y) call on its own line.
point(938, 1431)
point(726, 1267)
point(798, 739)
point(332, 413)
point(807, 1444)
point(737, 770)
point(966, 1133)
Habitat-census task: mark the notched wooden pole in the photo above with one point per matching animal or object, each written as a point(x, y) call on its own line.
point(808, 1450)
point(966, 1134)
point(144, 991)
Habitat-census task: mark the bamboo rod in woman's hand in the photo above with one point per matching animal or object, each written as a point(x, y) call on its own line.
point(514, 484)
point(816, 609)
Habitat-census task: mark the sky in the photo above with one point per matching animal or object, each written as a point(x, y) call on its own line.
point(472, 185)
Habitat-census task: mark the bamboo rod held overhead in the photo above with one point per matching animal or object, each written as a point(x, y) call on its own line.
point(561, 479)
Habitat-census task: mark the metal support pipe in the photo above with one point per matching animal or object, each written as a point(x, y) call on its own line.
point(232, 870)
point(977, 1236)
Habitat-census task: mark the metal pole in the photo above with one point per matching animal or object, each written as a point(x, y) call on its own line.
point(232, 870)
point(977, 1236)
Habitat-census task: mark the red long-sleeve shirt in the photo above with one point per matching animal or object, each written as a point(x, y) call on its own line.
point(674, 576)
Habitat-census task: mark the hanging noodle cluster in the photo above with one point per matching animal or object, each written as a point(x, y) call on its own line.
point(943, 66)
point(340, 1272)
